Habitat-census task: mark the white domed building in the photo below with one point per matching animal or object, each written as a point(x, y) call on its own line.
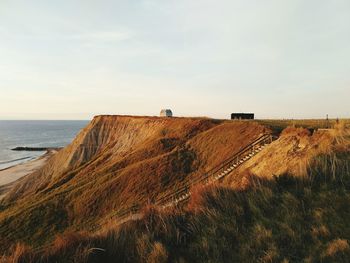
point(166, 113)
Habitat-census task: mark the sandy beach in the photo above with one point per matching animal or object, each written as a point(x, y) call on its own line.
point(11, 174)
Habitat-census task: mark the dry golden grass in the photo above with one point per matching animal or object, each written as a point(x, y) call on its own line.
point(66, 241)
point(337, 246)
point(291, 153)
point(21, 253)
point(124, 161)
point(198, 197)
point(138, 160)
point(158, 254)
point(279, 125)
point(286, 219)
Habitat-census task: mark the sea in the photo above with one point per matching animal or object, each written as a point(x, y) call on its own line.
point(34, 134)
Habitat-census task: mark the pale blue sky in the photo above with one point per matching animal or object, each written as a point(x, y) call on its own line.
point(75, 59)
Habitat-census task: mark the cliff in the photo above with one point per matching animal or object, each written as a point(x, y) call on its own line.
point(115, 162)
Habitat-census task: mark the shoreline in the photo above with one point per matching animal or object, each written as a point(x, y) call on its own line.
point(9, 175)
point(12, 161)
point(24, 160)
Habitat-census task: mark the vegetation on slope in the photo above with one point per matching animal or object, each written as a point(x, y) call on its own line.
point(115, 162)
point(276, 219)
point(291, 154)
point(286, 219)
point(312, 124)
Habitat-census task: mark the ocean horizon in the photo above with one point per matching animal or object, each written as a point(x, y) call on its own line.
point(34, 133)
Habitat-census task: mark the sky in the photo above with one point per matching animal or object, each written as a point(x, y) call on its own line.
point(76, 59)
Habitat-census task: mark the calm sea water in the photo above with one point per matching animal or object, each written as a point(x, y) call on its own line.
point(34, 134)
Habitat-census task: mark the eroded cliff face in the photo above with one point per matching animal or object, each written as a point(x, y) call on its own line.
point(118, 161)
point(107, 139)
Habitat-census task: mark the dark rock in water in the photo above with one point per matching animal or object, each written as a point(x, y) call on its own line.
point(33, 149)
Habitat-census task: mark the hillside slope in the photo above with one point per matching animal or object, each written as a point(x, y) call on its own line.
point(115, 162)
point(282, 219)
point(291, 153)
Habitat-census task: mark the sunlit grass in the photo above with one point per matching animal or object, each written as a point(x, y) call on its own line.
point(287, 219)
point(279, 125)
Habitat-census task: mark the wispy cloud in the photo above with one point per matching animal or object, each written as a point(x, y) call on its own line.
point(136, 56)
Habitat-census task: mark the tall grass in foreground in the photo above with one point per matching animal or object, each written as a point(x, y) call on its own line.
point(286, 219)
